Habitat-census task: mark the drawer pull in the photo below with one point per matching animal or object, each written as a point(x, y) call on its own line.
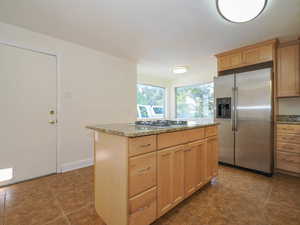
point(142, 209)
point(287, 128)
point(166, 154)
point(286, 147)
point(144, 169)
point(145, 146)
point(188, 150)
point(290, 138)
point(289, 160)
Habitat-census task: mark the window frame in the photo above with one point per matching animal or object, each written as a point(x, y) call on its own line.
point(192, 85)
point(165, 101)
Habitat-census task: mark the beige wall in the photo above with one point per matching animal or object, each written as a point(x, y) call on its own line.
point(289, 106)
point(95, 88)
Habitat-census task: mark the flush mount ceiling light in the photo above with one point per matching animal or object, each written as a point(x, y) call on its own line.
point(180, 69)
point(240, 11)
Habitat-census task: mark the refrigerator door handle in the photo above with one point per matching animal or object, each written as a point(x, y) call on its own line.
point(233, 110)
point(236, 110)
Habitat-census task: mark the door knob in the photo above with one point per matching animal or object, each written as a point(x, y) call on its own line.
point(52, 121)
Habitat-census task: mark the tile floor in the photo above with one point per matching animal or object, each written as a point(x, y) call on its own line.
point(238, 198)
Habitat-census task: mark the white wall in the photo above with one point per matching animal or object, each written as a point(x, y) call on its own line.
point(95, 88)
point(289, 106)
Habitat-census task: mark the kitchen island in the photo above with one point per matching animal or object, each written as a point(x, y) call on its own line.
point(141, 172)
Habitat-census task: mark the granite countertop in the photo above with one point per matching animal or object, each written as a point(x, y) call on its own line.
point(288, 119)
point(132, 130)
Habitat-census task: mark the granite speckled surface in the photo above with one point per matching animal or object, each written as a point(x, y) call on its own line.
point(132, 130)
point(288, 119)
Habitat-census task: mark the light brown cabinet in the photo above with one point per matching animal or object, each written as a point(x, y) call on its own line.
point(184, 169)
point(142, 208)
point(246, 56)
point(257, 55)
point(170, 178)
point(288, 148)
point(141, 178)
point(230, 61)
point(190, 166)
point(288, 75)
point(142, 173)
point(212, 157)
point(201, 163)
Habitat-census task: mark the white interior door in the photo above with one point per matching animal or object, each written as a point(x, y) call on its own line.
point(28, 87)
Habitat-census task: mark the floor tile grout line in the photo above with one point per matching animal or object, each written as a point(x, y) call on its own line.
point(59, 206)
point(65, 214)
point(4, 209)
point(79, 209)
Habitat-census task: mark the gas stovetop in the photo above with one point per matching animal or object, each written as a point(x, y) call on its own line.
point(161, 123)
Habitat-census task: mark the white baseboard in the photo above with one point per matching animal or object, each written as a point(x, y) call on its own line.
point(76, 165)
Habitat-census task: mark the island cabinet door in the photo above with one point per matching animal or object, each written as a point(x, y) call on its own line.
point(190, 169)
point(170, 183)
point(212, 157)
point(178, 175)
point(201, 164)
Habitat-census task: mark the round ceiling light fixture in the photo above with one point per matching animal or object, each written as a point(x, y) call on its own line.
point(240, 11)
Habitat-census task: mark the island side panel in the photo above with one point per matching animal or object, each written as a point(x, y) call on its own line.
point(111, 178)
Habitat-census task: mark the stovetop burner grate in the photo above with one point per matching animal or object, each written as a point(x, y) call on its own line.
point(161, 123)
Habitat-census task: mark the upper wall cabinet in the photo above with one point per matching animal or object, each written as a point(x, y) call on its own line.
point(246, 56)
point(288, 75)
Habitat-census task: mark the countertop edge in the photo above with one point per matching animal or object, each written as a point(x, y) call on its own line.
point(147, 133)
point(288, 122)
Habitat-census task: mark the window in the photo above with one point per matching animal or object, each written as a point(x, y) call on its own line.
point(150, 102)
point(194, 102)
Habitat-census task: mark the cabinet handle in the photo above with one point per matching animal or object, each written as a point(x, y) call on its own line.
point(289, 160)
point(142, 209)
point(288, 138)
point(144, 146)
point(143, 170)
point(188, 150)
point(287, 128)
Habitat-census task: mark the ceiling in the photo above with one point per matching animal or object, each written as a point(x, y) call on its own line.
point(158, 34)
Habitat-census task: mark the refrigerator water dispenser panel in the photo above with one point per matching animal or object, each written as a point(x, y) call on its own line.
point(223, 108)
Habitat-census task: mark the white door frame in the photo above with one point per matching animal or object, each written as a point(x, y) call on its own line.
point(58, 94)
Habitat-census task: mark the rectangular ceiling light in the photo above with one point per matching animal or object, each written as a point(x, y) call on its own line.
point(6, 174)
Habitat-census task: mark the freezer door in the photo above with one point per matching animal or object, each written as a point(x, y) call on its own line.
point(253, 138)
point(223, 88)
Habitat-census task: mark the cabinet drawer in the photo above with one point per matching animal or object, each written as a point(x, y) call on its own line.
point(287, 128)
point(289, 138)
point(288, 161)
point(211, 131)
point(195, 134)
point(171, 139)
point(142, 145)
point(142, 173)
point(288, 147)
point(142, 208)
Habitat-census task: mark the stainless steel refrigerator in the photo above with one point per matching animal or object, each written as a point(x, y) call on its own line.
point(244, 111)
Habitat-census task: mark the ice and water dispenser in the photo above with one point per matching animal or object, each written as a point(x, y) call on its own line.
point(223, 110)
